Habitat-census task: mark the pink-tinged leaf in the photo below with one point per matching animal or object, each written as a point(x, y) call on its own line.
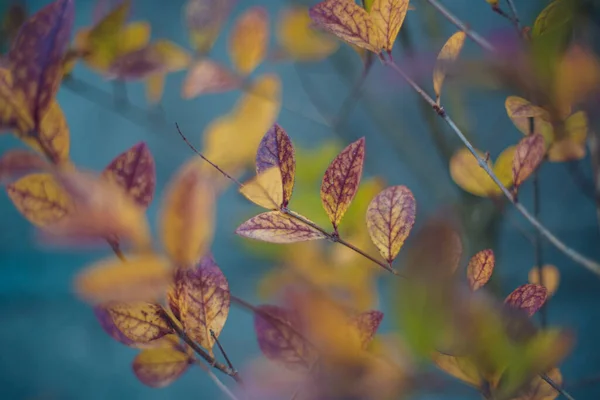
point(341, 181)
point(204, 20)
point(200, 298)
point(367, 324)
point(162, 366)
point(36, 55)
point(17, 163)
point(276, 150)
point(529, 298)
point(276, 227)
point(480, 268)
point(279, 337)
point(349, 22)
point(104, 7)
point(390, 218)
point(106, 322)
point(134, 170)
point(529, 154)
point(207, 76)
point(139, 322)
point(139, 64)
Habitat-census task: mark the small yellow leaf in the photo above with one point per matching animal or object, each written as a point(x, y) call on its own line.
point(388, 16)
point(140, 322)
point(144, 277)
point(53, 138)
point(40, 199)
point(299, 40)
point(160, 367)
point(445, 59)
point(573, 145)
point(155, 86)
point(175, 58)
point(467, 174)
point(248, 40)
point(577, 76)
point(503, 168)
point(265, 189)
point(480, 268)
point(521, 111)
point(134, 36)
point(550, 275)
point(187, 214)
point(458, 367)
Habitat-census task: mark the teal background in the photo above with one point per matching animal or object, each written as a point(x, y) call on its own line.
point(51, 346)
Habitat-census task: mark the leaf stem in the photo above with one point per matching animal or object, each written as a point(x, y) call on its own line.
point(590, 264)
point(556, 387)
point(513, 10)
point(229, 364)
point(217, 381)
point(199, 350)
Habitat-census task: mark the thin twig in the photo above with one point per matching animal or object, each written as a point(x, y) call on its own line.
point(207, 357)
point(513, 10)
point(217, 381)
point(462, 26)
point(572, 254)
point(556, 387)
point(331, 236)
point(229, 364)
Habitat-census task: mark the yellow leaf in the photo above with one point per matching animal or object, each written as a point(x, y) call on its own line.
point(503, 168)
point(133, 37)
point(53, 138)
point(265, 189)
point(276, 227)
point(577, 76)
point(248, 40)
point(143, 277)
point(467, 174)
point(550, 275)
point(187, 214)
point(155, 85)
point(539, 389)
point(160, 367)
point(459, 367)
point(140, 322)
point(299, 40)
point(350, 22)
point(521, 111)
point(388, 16)
point(13, 109)
point(175, 58)
point(445, 59)
point(572, 146)
point(40, 199)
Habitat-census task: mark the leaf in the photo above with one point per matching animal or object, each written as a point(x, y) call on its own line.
point(248, 40)
point(299, 40)
point(349, 22)
point(187, 216)
point(136, 65)
point(40, 199)
point(480, 268)
point(279, 337)
point(16, 163)
point(36, 55)
point(265, 189)
point(204, 20)
point(160, 367)
point(155, 87)
point(550, 275)
point(52, 139)
point(521, 111)
point(140, 322)
point(174, 57)
point(103, 40)
point(390, 218)
point(528, 297)
point(133, 37)
point(143, 277)
point(388, 16)
point(538, 389)
point(276, 150)
point(106, 322)
point(341, 181)
point(445, 59)
point(276, 227)
point(13, 110)
point(134, 171)
point(577, 77)
point(554, 16)
point(200, 297)
point(207, 76)
point(573, 145)
point(466, 172)
point(458, 367)
point(367, 324)
point(529, 154)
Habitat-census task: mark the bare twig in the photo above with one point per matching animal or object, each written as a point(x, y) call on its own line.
point(229, 364)
point(556, 386)
point(513, 10)
point(572, 254)
point(217, 381)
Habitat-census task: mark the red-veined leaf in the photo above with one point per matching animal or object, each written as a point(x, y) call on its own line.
point(529, 154)
point(367, 324)
point(276, 150)
point(529, 298)
point(139, 322)
point(480, 268)
point(276, 227)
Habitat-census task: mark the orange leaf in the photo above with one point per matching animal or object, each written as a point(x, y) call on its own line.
point(528, 297)
point(140, 322)
point(528, 157)
point(248, 40)
point(550, 275)
point(480, 268)
point(447, 56)
point(276, 227)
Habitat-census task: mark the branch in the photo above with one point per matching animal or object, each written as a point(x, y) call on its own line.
point(229, 364)
point(569, 252)
point(217, 381)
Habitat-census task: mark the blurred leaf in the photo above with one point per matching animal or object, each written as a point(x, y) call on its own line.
point(529, 154)
point(207, 76)
point(528, 297)
point(278, 332)
point(466, 172)
point(390, 218)
point(16, 163)
point(160, 367)
point(40, 199)
point(572, 146)
point(155, 86)
point(14, 112)
point(550, 275)
point(140, 322)
point(143, 277)
point(480, 268)
point(538, 389)
point(204, 20)
point(188, 214)
point(135, 172)
point(341, 181)
point(459, 367)
point(367, 324)
point(249, 39)
point(276, 227)
point(136, 65)
point(521, 111)
point(349, 22)
point(265, 189)
point(557, 14)
point(388, 16)
point(200, 299)
point(445, 59)
point(35, 58)
point(276, 150)
point(105, 319)
point(298, 40)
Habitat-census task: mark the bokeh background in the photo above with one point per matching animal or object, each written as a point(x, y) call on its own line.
point(52, 347)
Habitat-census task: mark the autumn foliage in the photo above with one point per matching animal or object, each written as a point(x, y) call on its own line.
point(165, 294)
